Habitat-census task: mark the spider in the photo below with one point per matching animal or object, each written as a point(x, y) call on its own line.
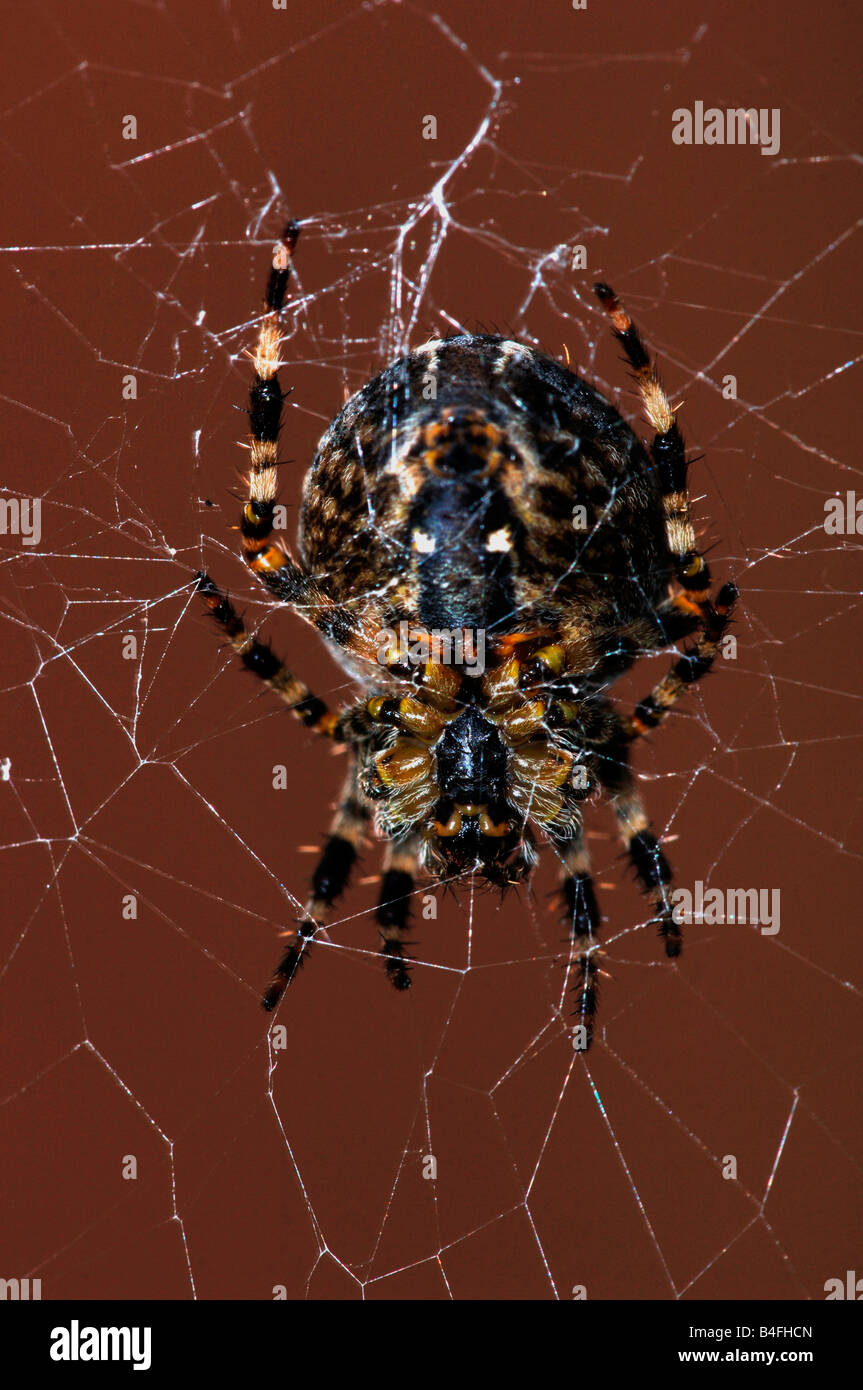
point(476, 487)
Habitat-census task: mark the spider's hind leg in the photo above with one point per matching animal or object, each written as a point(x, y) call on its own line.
point(265, 554)
point(691, 571)
point(266, 557)
point(668, 452)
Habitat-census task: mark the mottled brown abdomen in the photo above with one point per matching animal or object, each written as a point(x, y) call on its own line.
point(476, 483)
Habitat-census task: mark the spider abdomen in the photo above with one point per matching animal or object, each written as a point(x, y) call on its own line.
point(476, 483)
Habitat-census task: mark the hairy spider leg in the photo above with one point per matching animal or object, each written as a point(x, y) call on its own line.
point(691, 571)
point(652, 869)
point(584, 918)
point(401, 868)
point(259, 658)
point(329, 881)
point(265, 557)
point(693, 663)
point(667, 451)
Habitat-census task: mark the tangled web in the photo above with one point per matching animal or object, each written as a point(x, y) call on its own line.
point(162, 1136)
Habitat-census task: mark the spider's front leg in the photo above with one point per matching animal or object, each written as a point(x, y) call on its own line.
point(652, 869)
point(397, 885)
point(328, 882)
point(583, 918)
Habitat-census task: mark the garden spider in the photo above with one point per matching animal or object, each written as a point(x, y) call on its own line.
point(476, 489)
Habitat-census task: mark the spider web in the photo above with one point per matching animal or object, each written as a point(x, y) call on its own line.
point(299, 1160)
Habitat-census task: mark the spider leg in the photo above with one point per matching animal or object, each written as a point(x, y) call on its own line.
point(583, 916)
point(652, 869)
point(625, 646)
point(668, 453)
point(259, 658)
point(694, 662)
point(265, 557)
point(328, 881)
point(400, 870)
point(691, 570)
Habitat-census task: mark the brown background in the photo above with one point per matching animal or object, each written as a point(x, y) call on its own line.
point(154, 777)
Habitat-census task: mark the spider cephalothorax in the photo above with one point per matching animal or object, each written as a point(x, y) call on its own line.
point(468, 771)
point(485, 545)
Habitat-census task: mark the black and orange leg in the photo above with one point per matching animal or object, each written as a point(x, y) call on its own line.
point(328, 883)
point(691, 570)
point(393, 912)
point(259, 658)
point(623, 647)
point(652, 869)
point(266, 556)
point(693, 663)
point(583, 918)
point(668, 453)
